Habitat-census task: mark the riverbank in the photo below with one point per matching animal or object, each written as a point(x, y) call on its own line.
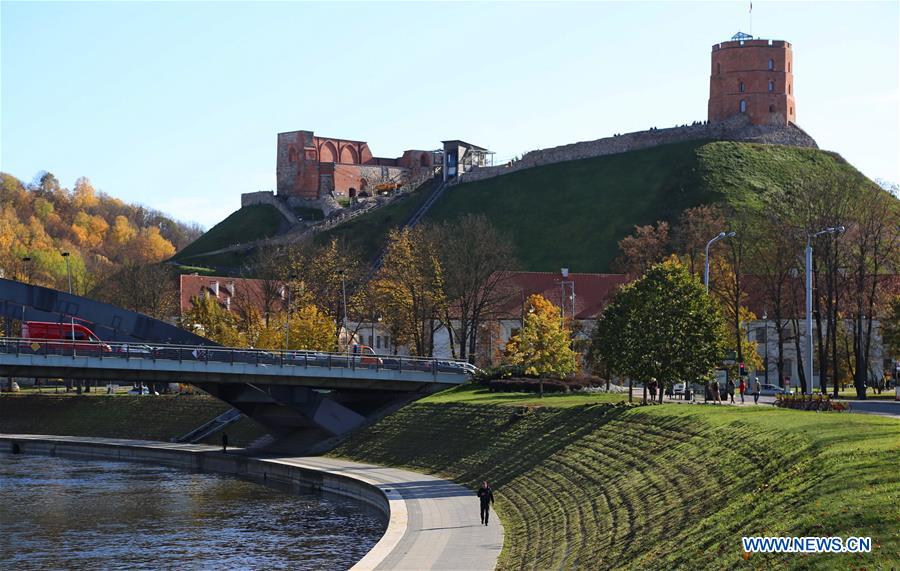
point(431, 522)
point(148, 417)
point(611, 486)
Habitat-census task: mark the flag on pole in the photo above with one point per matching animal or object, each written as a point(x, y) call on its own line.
point(751, 7)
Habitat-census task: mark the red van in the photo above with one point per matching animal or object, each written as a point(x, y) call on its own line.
point(70, 334)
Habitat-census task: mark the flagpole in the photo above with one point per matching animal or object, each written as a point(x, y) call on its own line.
point(751, 18)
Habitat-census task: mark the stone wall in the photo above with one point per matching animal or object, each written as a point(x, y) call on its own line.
point(737, 128)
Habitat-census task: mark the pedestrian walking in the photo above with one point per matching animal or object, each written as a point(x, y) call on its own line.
point(486, 495)
point(224, 443)
point(731, 390)
point(756, 389)
point(652, 388)
point(717, 397)
point(742, 388)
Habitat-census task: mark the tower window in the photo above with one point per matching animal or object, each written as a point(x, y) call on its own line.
point(771, 64)
point(789, 88)
point(718, 67)
point(789, 67)
point(771, 108)
point(792, 110)
point(771, 85)
point(743, 106)
point(741, 87)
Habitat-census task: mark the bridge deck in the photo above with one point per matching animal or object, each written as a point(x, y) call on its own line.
point(433, 523)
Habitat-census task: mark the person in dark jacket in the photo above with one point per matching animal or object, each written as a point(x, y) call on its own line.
point(224, 443)
point(486, 495)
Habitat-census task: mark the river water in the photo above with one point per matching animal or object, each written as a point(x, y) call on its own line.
point(66, 514)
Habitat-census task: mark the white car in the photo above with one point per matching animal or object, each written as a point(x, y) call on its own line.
point(142, 391)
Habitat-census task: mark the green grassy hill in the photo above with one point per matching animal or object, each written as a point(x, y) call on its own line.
point(572, 214)
point(608, 486)
point(245, 225)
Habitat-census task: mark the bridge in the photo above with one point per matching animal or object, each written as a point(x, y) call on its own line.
point(300, 397)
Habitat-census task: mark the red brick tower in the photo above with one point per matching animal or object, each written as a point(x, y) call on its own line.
point(753, 77)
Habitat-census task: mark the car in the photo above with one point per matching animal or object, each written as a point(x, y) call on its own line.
point(142, 391)
point(678, 389)
point(771, 390)
point(134, 351)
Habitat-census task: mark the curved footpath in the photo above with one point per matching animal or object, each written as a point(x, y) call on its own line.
point(432, 523)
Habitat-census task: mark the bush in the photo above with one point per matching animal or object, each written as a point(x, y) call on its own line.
point(815, 402)
point(485, 376)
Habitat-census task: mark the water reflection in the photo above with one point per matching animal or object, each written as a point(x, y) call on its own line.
point(58, 513)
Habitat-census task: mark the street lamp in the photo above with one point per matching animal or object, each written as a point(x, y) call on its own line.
point(721, 236)
point(809, 337)
point(765, 317)
point(68, 269)
point(343, 273)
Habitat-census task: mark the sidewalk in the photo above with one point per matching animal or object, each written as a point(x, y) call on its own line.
point(879, 407)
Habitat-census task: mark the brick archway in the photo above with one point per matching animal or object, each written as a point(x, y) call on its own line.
point(328, 153)
point(349, 155)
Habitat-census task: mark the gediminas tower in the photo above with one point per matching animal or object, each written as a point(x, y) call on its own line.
point(754, 78)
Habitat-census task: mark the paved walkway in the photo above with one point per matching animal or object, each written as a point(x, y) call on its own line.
point(434, 523)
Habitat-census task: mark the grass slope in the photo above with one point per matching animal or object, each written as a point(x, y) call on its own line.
point(573, 214)
point(659, 487)
point(368, 233)
point(244, 225)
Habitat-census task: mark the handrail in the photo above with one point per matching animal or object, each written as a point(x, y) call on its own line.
point(303, 358)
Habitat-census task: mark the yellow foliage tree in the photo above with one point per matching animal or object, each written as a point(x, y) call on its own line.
point(208, 319)
point(149, 246)
point(310, 329)
point(122, 231)
point(542, 346)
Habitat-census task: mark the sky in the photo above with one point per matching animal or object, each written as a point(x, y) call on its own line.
point(177, 105)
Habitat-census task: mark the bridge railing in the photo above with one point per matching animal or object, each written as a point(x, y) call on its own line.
point(232, 355)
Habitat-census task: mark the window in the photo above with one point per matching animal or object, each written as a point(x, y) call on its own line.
point(771, 64)
point(741, 87)
point(718, 67)
point(771, 86)
point(387, 341)
point(743, 106)
point(771, 108)
point(370, 341)
point(760, 334)
point(789, 67)
point(789, 88)
point(378, 342)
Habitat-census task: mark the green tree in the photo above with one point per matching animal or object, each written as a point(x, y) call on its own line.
point(662, 326)
point(542, 346)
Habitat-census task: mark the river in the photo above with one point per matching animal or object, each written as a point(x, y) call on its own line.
point(57, 513)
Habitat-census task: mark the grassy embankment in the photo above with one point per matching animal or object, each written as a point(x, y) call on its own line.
point(599, 200)
point(665, 487)
point(244, 225)
point(117, 416)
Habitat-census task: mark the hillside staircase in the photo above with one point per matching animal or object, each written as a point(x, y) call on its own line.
point(207, 429)
point(414, 220)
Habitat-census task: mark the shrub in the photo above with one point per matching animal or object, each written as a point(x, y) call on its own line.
point(817, 402)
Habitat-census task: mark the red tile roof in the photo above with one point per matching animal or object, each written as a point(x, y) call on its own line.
point(221, 287)
point(592, 291)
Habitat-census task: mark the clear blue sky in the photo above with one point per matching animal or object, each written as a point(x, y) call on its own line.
point(177, 105)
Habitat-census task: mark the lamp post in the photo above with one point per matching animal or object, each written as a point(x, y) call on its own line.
point(721, 236)
point(343, 273)
point(765, 317)
point(287, 322)
point(68, 269)
point(809, 337)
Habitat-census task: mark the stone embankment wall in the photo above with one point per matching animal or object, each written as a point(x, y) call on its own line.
point(737, 128)
point(268, 197)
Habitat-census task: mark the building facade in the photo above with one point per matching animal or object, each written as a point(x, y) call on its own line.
point(311, 167)
point(754, 78)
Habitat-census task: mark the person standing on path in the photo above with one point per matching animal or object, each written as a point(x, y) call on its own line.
point(756, 389)
point(742, 388)
point(731, 390)
point(224, 443)
point(486, 495)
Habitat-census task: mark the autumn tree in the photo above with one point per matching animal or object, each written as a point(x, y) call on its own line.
point(212, 321)
point(474, 258)
point(543, 344)
point(647, 246)
point(409, 289)
point(309, 329)
point(151, 289)
point(696, 226)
